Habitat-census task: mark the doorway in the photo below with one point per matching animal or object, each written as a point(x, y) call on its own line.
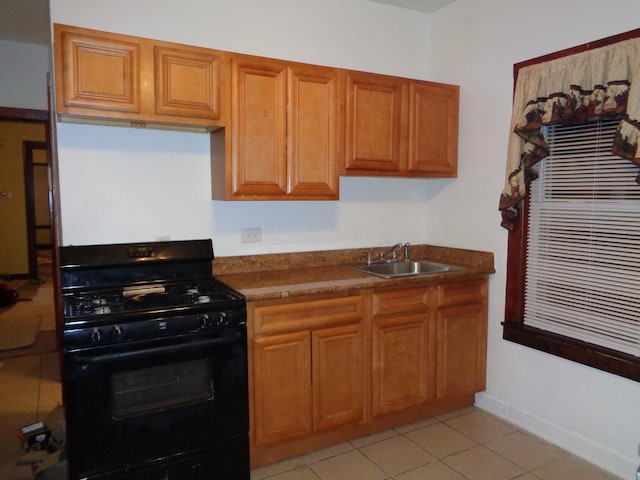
point(38, 209)
point(23, 133)
point(25, 213)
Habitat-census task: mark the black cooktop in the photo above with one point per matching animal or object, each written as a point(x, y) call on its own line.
point(131, 281)
point(150, 296)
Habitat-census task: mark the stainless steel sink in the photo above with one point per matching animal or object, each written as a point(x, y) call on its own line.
point(405, 269)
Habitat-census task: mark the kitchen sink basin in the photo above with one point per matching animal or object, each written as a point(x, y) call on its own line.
point(405, 269)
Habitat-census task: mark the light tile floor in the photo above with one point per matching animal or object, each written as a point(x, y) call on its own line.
point(29, 390)
point(468, 444)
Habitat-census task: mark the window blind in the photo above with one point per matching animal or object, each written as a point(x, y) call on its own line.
point(583, 258)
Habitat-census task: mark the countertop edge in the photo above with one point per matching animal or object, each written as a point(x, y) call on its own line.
point(287, 275)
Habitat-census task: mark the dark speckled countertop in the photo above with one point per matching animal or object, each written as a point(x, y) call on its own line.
point(281, 275)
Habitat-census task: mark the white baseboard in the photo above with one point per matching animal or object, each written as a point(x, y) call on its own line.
point(568, 440)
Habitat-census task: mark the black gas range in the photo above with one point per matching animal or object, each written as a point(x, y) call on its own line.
point(154, 363)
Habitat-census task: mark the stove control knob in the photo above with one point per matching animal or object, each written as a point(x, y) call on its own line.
point(116, 332)
point(221, 320)
point(96, 336)
point(205, 321)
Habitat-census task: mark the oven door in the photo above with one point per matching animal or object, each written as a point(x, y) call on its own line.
point(141, 403)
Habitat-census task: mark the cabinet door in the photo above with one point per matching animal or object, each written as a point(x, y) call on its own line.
point(400, 362)
point(312, 132)
point(433, 129)
point(187, 82)
point(282, 387)
point(374, 111)
point(461, 350)
point(337, 376)
point(97, 74)
point(259, 163)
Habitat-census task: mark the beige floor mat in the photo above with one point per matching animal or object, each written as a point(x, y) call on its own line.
point(18, 331)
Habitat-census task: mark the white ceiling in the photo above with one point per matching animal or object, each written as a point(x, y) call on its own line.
point(27, 21)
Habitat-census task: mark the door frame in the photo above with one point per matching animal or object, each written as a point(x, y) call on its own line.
point(30, 199)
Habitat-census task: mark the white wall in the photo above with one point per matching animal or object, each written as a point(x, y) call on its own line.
point(130, 185)
point(475, 44)
point(23, 75)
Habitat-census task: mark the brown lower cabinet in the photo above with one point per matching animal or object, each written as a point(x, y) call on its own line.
point(402, 336)
point(288, 403)
point(328, 368)
point(461, 338)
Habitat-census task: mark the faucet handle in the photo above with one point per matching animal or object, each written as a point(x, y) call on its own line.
point(368, 254)
point(406, 251)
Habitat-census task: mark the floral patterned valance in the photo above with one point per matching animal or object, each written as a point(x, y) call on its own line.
point(583, 87)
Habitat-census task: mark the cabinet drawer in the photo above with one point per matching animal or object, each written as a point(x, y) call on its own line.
point(461, 293)
point(307, 314)
point(389, 302)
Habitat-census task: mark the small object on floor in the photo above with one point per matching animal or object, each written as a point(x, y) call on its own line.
point(8, 296)
point(35, 436)
point(44, 446)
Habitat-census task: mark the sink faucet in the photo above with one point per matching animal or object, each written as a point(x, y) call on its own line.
point(394, 253)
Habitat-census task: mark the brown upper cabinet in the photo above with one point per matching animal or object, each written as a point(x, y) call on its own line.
point(284, 137)
point(400, 127)
point(281, 130)
point(111, 78)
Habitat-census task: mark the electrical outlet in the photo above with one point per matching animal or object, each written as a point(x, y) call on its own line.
point(5, 194)
point(251, 235)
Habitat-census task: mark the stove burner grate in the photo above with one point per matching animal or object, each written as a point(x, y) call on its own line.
point(138, 298)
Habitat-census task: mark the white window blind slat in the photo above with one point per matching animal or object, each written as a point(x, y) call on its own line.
point(583, 256)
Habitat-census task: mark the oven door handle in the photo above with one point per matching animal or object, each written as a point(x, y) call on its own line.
point(166, 350)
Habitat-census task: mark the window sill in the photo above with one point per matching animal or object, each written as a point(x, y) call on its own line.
point(610, 361)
